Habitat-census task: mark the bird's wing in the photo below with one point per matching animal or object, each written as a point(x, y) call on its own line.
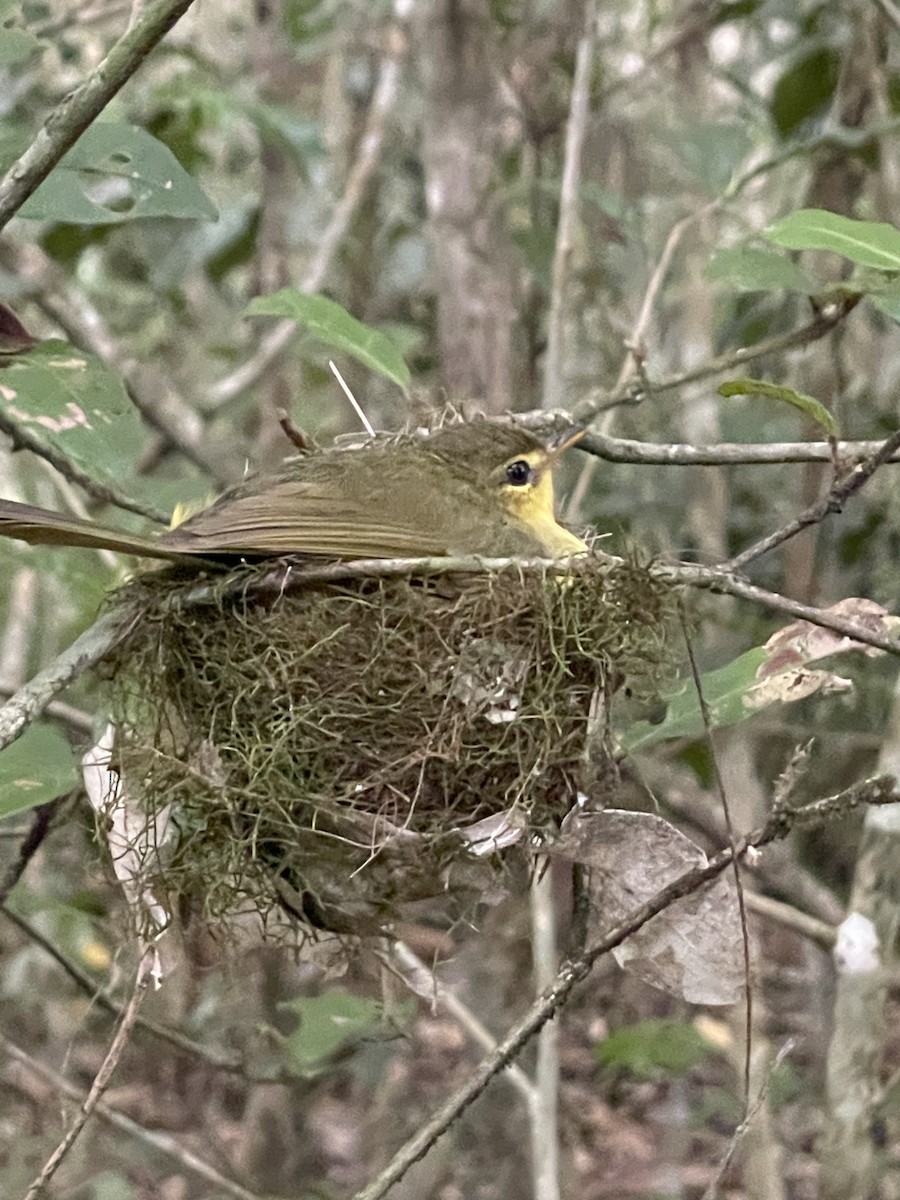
point(303, 518)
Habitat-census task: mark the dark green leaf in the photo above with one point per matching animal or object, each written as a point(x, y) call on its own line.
point(73, 401)
point(114, 173)
point(804, 90)
point(334, 326)
point(652, 1049)
point(813, 408)
point(868, 243)
point(36, 768)
point(752, 270)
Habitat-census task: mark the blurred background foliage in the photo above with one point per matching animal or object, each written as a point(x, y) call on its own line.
point(438, 127)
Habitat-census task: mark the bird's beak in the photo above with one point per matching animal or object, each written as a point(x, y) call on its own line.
point(562, 441)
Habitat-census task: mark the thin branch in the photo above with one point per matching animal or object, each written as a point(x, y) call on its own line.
point(24, 437)
point(96, 641)
point(74, 114)
point(371, 142)
point(576, 129)
point(231, 1063)
point(75, 718)
point(788, 917)
point(837, 496)
point(754, 1109)
point(718, 454)
point(86, 651)
point(101, 1079)
point(161, 1142)
point(544, 1106)
point(731, 585)
point(880, 790)
point(725, 807)
point(41, 820)
point(419, 978)
point(824, 321)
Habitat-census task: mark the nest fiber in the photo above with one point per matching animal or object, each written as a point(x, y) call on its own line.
point(329, 747)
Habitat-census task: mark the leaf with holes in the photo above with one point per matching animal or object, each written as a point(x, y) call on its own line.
point(71, 400)
point(115, 172)
point(334, 326)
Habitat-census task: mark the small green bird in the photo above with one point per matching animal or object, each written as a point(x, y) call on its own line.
point(483, 488)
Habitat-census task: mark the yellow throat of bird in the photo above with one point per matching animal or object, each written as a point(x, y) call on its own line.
point(534, 506)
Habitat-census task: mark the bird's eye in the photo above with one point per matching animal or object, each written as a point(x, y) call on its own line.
point(518, 472)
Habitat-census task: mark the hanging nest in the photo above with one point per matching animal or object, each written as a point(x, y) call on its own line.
point(346, 749)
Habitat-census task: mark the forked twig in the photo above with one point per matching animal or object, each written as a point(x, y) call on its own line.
point(101, 1079)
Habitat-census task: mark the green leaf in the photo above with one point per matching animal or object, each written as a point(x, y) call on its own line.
point(725, 692)
point(76, 403)
point(750, 270)
point(334, 326)
point(36, 768)
point(115, 172)
point(813, 408)
point(805, 89)
point(655, 1048)
point(868, 243)
point(326, 1022)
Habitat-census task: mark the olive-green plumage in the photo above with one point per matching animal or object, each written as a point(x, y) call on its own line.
point(481, 488)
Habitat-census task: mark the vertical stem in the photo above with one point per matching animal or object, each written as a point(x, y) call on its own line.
point(545, 1101)
point(554, 390)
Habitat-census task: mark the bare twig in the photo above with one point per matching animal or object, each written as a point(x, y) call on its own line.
point(74, 114)
point(732, 585)
point(891, 11)
point(576, 129)
point(41, 820)
point(720, 454)
point(86, 651)
point(233, 1064)
point(786, 915)
point(415, 973)
point(722, 796)
point(161, 1142)
point(544, 1108)
point(743, 1129)
point(15, 640)
point(880, 790)
point(101, 1079)
point(76, 718)
point(822, 323)
point(371, 142)
point(833, 502)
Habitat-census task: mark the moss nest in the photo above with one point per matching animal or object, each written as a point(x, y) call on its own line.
point(327, 747)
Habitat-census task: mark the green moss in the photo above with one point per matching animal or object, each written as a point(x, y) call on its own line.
point(322, 746)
